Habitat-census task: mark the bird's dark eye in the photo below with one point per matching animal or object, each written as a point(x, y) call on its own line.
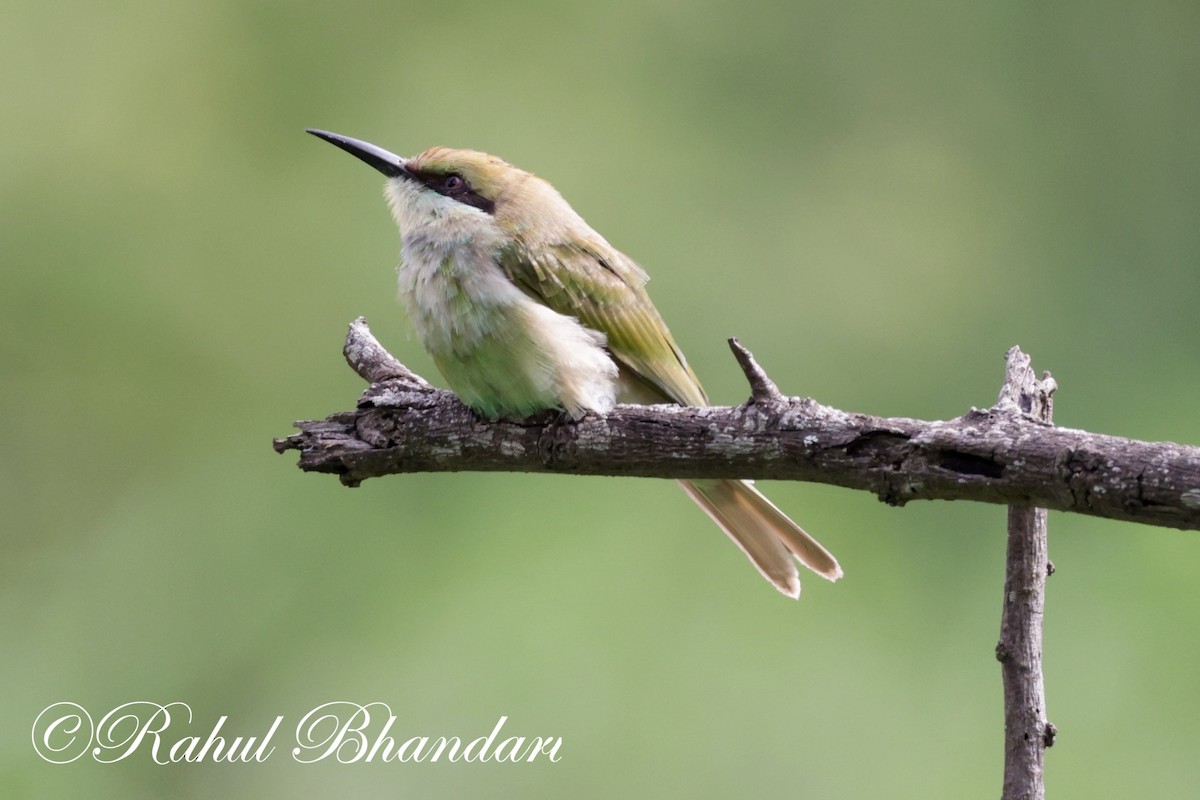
point(457, 188)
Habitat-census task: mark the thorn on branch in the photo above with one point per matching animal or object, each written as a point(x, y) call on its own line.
point(762, 389)
point(372, 362)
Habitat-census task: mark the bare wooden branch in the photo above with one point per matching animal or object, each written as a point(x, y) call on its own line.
point(1027, 732)
point(986, 455)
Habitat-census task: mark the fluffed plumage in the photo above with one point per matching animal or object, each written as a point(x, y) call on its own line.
point(524, 307)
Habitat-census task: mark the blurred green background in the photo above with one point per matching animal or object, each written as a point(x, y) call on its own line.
point(879, 200)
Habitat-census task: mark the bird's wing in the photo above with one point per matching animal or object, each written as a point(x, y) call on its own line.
point(606, 291)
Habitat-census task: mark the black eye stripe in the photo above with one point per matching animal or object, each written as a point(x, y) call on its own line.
point(457, 187)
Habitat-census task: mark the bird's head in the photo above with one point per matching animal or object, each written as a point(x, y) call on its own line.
point(444, 183)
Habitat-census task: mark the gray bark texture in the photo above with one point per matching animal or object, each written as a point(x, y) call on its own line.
point(1027, 732)
point(1002, 454)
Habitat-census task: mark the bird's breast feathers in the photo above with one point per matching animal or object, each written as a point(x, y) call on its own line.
point(501, 351)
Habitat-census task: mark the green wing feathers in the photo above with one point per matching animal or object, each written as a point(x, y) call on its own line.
point(606, 291)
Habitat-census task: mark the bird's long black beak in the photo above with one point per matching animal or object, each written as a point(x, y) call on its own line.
point(389, 164)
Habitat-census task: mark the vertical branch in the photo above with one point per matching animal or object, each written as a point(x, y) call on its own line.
point(1027, 732)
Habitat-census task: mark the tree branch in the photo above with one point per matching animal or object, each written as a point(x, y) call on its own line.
point(1027, 733)
point(993, 455)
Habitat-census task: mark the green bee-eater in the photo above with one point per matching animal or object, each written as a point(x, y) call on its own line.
point(523, 307)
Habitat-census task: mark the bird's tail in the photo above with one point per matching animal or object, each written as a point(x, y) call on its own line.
point(763, 532)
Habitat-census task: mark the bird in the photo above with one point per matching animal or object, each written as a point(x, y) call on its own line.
point(524, 308)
